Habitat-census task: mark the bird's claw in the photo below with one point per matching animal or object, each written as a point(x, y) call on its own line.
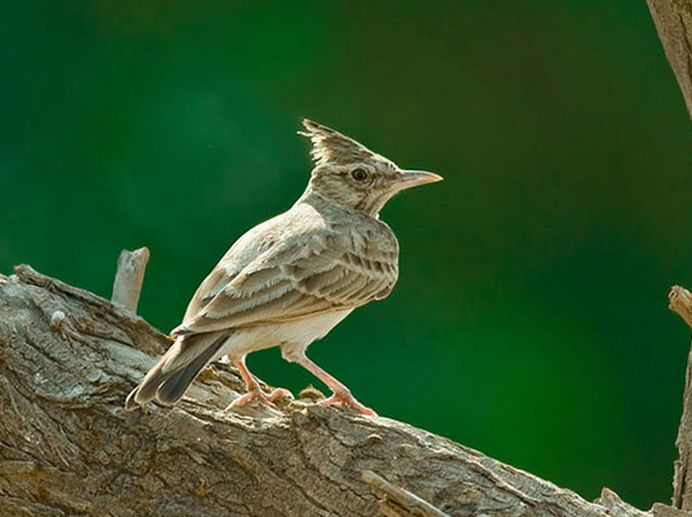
point(346, 399)
point(257, 394)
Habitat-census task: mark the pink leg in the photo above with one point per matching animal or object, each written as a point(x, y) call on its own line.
point(341, 394)
point(254, 391)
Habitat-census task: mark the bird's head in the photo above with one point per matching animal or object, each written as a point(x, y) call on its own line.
point(353, 176)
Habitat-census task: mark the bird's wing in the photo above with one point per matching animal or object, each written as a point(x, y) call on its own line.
point(320, 272)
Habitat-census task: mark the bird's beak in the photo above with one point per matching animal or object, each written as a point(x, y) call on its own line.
point(410, 179)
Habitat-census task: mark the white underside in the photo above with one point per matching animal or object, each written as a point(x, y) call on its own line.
point(293, 336)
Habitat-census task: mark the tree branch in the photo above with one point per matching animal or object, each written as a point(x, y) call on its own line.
point(67, 446)
point(673, 19)
point(681, 303)
point(129, 277)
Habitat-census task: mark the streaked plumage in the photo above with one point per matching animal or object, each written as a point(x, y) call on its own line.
point(291, 279)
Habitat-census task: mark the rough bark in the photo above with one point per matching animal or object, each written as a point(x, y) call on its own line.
point(681, 303)
point(673, 19)
point(68, 447)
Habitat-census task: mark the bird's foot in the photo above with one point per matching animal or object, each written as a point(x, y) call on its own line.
point(344, 398)
point(257, 394)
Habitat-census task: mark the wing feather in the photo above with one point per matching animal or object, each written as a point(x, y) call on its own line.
point(296, 279)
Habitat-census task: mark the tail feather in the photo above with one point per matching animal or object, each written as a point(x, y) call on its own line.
point(168, 380)
point(173, 388)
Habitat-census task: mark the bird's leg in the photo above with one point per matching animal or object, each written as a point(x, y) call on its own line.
point(340, 393)
point(254, 391)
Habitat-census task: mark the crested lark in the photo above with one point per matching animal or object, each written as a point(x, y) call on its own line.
point(291, 279)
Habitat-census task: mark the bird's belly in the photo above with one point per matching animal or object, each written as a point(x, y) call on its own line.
point(297, 333)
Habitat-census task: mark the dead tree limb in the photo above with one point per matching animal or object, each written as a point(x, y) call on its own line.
point(681, 303)
point(673, 19)
point(129, 276)
point(68, 447)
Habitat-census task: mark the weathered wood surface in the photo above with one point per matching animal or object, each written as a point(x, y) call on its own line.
point(673, 19)
point(681, 303)
point(67, 447)
point(129, 277)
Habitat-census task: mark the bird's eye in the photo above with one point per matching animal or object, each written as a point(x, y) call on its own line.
point(359, 175)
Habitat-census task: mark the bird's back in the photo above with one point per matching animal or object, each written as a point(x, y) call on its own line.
point(310, 235)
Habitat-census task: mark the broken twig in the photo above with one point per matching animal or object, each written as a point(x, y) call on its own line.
point(129, 277)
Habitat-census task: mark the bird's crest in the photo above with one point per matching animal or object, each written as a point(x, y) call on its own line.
point(330, 146)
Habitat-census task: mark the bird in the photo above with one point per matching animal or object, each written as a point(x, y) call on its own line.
point(291, 279)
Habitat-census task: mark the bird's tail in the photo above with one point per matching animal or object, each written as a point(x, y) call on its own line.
point(168, 380)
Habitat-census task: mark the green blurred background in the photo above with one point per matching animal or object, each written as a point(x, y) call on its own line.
point(530, 319)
